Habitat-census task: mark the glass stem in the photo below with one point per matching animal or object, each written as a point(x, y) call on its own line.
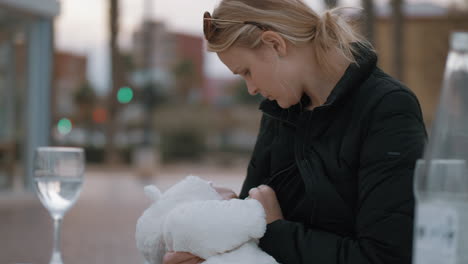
point(56, 254)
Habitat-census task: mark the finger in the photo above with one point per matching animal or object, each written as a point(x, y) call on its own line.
point(225, 193)
point(177, 257)
point(199, 260)
point(228, 196)
point(232, 195)
point(194, 260)
point(266, 189)
point(254, 193)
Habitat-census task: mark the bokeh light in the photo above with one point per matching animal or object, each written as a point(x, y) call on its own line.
point(64, 126)
point(125, 95)
point(100, 115)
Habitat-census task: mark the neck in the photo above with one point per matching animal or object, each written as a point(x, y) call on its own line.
point(319, 84)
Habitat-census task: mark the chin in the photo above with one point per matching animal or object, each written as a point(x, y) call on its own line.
point(287, 104)
point(283, 105)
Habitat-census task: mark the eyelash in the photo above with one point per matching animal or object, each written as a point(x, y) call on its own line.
point(246, 73)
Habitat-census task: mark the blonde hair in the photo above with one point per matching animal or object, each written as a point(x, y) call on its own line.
point(292, 19)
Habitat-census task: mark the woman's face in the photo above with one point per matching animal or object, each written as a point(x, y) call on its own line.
point(266, 73)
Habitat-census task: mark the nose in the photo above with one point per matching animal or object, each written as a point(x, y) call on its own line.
point(252, 89)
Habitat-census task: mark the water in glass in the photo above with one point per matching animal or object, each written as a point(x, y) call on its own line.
point(58, 178)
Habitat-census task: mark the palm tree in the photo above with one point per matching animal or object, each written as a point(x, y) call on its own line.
point(111, 155)
point(86, 99)
point(398, 37)
point(184, 72)
point(331, 3)
point(369, 18)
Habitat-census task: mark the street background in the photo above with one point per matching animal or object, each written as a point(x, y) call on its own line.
point(130, 81)
point(100, 227)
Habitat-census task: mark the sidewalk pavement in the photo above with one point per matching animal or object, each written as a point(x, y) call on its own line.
point(100, 227)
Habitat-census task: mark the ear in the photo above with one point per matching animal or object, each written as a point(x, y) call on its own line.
point(275, 41)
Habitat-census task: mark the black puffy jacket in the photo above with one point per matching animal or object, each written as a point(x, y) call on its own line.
point(354, 159)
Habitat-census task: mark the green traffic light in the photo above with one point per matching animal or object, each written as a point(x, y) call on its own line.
point(64, 126)
point(125, 95)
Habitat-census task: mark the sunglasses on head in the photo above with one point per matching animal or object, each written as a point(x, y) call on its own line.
point(209, 28)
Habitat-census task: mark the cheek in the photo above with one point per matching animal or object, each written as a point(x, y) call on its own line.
point(293, 80)
point(282, 81)
point(282, 73)
point(290, 74)
point(263, 78)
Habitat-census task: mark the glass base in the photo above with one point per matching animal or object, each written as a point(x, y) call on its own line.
point(56, 258)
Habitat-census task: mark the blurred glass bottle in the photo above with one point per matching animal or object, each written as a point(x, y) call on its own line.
point(441, 178)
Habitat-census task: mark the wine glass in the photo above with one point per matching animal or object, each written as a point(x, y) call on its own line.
point(58, 177)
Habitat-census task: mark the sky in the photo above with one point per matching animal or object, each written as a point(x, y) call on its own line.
point(82, 28)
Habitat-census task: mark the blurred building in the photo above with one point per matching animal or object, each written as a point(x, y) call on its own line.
point(26, 34)
point(152, 54)
point(221, 91)
point(68, 78)
point(166, 66)
point(73, 101)
point(188, 68)
point(172, 61)
point(427, 29)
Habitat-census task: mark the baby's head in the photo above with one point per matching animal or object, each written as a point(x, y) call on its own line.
point(149, 233)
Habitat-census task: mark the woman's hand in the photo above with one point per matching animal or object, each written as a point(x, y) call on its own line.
point(267, 197)
point(181, 258)
point(226, 193)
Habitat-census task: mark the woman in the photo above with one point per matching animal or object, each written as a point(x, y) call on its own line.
point(334, 159)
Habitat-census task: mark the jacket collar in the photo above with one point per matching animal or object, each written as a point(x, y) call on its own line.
point(353, 77)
